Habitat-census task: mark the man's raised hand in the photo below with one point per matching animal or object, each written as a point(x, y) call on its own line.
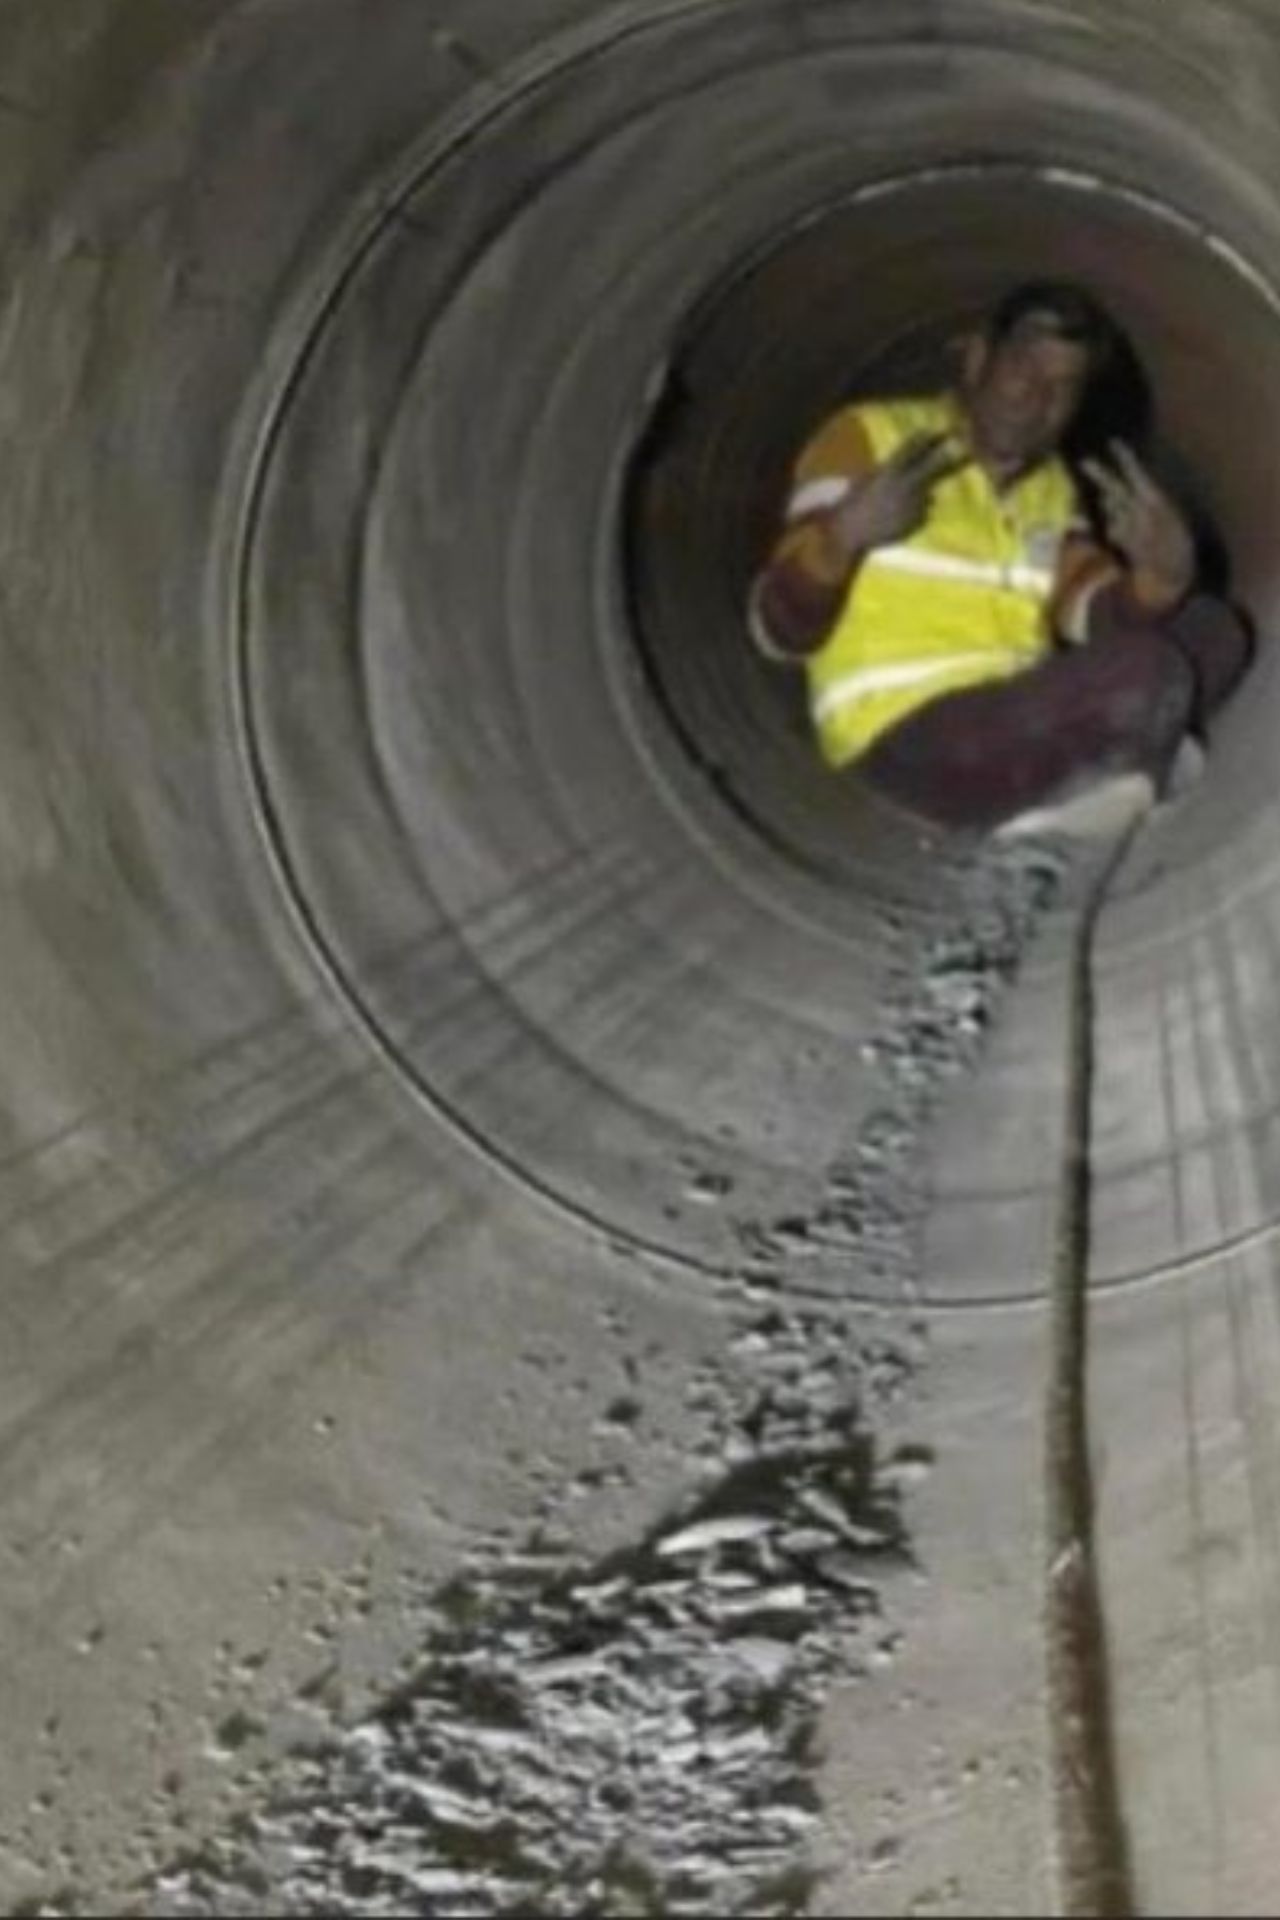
point(893, 502)
point(1144, 524)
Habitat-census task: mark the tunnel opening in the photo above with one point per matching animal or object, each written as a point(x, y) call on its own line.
point(868, 298)
point(729, 860)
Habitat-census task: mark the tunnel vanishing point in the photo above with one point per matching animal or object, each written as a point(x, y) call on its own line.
point(437, 984)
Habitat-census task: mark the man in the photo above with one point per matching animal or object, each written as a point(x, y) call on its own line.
point(970, 646)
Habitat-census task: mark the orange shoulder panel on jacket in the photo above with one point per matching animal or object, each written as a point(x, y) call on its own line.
point(840, 450)
point(835, 456)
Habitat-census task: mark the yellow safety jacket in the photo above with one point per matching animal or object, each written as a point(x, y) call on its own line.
point(966, 599)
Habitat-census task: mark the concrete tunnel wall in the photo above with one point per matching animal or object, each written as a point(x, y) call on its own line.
point(414, 914)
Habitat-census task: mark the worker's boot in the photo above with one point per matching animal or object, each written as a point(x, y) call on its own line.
point(1109, 806)
point(1186, 772)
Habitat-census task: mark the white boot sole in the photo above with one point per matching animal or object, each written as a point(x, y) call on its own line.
point(1098, 813)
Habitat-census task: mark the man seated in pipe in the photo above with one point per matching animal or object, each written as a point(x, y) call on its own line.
point(971, 645)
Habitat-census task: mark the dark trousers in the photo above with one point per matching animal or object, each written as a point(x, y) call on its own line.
point(1122, 702)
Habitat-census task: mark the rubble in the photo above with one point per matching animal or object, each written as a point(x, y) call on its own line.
point(640, 1735)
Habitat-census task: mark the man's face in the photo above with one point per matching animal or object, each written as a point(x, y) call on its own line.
point(1023, 393)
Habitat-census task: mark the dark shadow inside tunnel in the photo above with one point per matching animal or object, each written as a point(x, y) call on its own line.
point(869, 298)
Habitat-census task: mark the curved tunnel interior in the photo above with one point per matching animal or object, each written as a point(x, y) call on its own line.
point(866, 299)
point(444, 984)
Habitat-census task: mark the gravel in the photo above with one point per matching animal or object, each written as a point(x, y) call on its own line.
point(639, 1734)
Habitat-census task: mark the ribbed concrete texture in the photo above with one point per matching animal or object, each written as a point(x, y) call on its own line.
point(526, 1205)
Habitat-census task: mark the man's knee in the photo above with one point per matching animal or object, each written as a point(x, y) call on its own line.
point(1218, 645)
point(1153, 695)
point(1141, 692)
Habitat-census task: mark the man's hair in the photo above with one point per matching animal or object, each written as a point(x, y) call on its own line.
point(1069, 313)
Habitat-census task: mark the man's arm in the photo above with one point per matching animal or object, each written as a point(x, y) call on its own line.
point(1088, 573)
point(798, 594)
point(842, 507)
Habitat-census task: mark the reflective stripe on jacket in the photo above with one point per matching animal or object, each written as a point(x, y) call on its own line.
point(964, 600)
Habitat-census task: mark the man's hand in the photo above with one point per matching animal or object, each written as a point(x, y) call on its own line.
point(796, 599)
point(1145, 525)
point(893, 502)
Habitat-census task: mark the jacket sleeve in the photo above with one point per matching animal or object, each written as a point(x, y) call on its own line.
point(791, 600)
point(1085, 569)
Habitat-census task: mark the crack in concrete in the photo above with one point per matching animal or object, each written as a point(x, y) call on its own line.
point(1094, 1869)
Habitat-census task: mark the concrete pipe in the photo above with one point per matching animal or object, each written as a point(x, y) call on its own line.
point(452, 1032)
